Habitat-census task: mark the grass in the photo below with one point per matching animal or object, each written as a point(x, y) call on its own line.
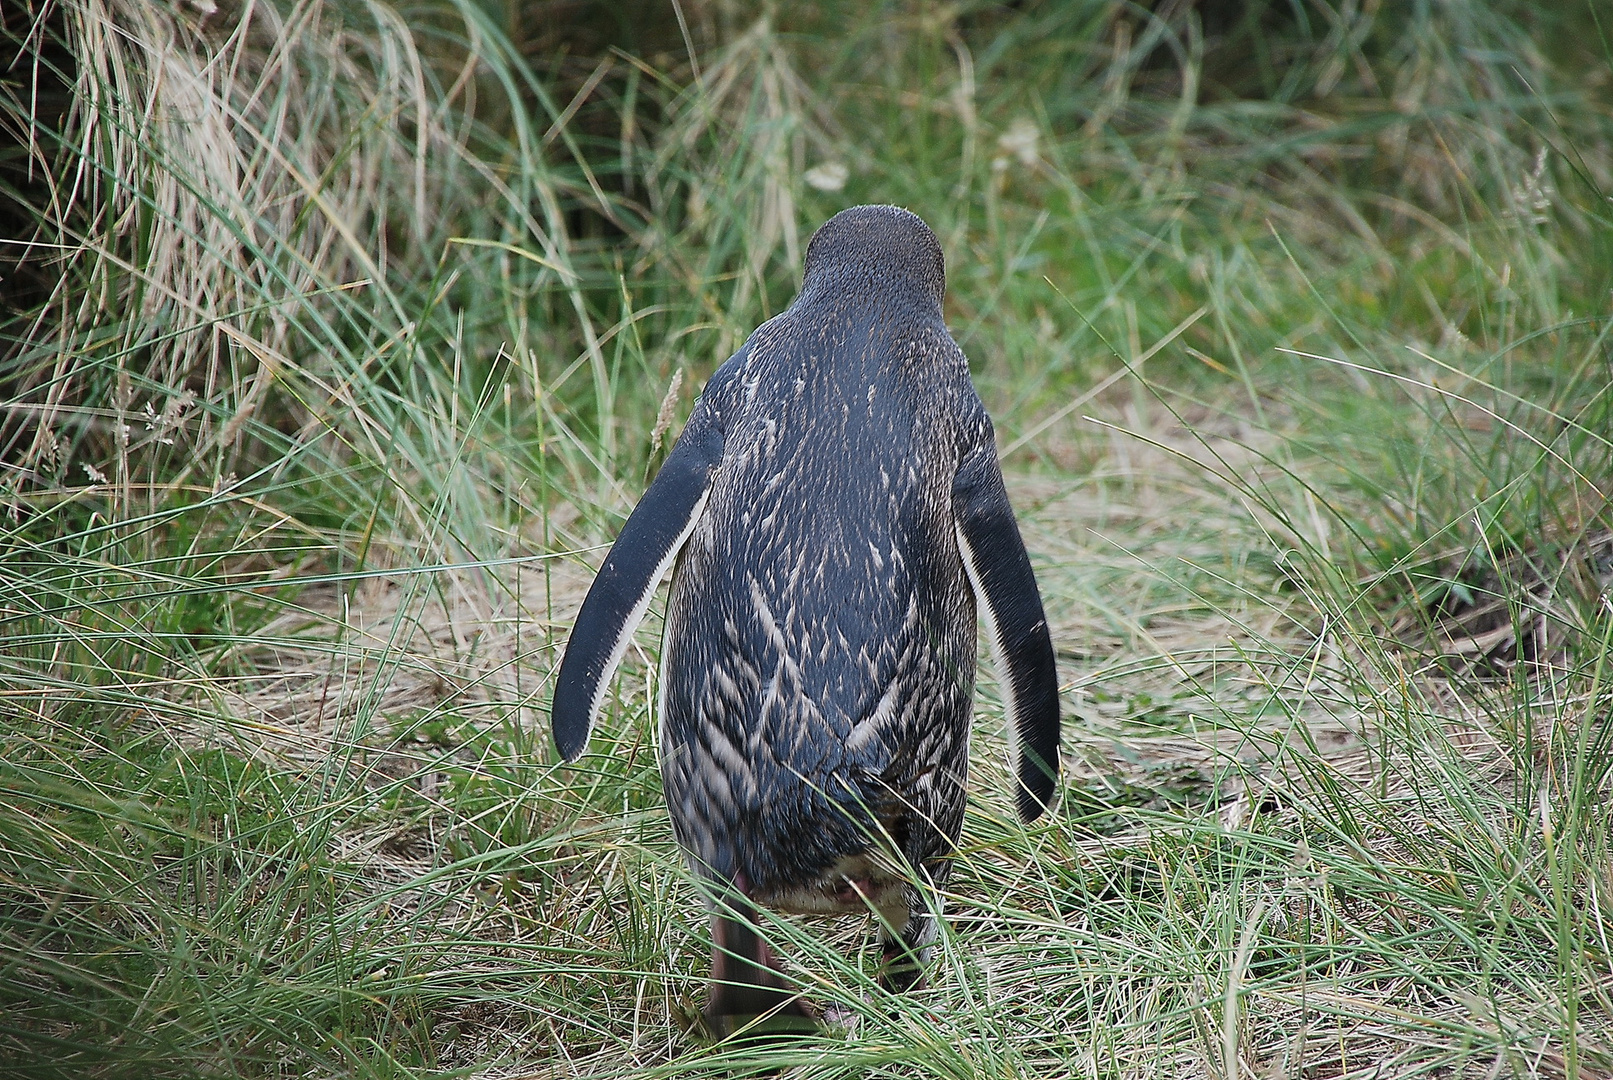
point(339, 338)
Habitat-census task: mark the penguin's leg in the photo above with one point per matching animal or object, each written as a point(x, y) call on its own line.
point(748, 989)
point(908, 935)
point(925, 834)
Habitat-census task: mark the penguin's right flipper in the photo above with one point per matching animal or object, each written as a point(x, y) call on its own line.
point(1006, 594)
point(620, 594)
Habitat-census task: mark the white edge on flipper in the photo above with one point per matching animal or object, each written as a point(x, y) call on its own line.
point(624, 632)
point(999, 659)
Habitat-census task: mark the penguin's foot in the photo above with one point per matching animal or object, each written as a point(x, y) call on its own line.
point(793, 1020)
point(902, 969)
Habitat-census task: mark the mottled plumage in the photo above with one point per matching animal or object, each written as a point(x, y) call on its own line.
point(836, 509)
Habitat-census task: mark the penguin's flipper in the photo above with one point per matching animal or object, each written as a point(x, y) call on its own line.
point(1005, 591)
point(621, 592)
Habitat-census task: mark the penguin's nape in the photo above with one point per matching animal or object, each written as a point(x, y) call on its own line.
point(884, 243)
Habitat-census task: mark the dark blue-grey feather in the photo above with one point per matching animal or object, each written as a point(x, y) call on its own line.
point(840, 509)
point(820, 646)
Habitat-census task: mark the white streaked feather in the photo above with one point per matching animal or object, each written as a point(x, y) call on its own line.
point(868, 729)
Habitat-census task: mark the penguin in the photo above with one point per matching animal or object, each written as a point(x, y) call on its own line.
point(835, 518)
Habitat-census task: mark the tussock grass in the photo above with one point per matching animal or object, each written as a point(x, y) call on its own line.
point(339, 338)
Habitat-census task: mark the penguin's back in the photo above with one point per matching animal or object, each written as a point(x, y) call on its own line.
point(820, 638)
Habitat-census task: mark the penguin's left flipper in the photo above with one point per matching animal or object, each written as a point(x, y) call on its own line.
point(620, 594)
point(1006, 594)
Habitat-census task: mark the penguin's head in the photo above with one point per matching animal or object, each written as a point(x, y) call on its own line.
point(876, 243)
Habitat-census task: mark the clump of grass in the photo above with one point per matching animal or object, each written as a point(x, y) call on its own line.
point(339, 341)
